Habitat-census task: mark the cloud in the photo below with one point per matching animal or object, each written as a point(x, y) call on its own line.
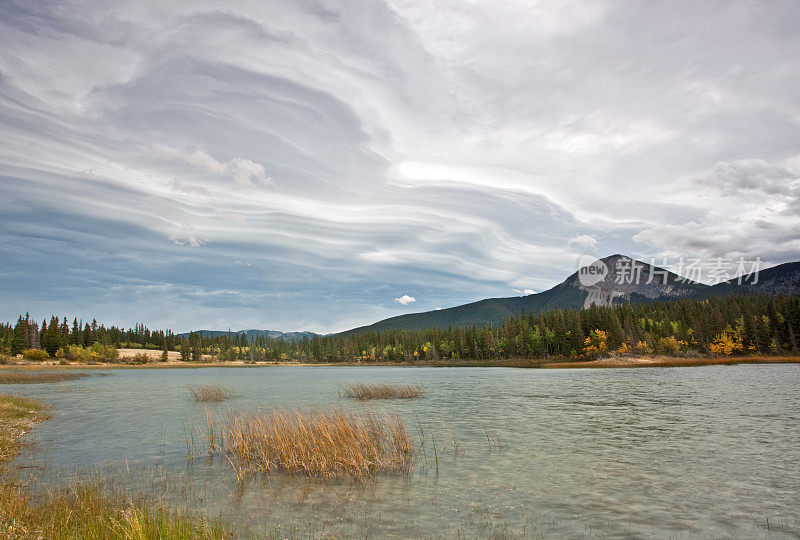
point(405, 300)
point(524, 292)
point(244, 172)
point(198, 191)
point(752, 209)
point(746, 176)
point(409, 152)
point(583, 241)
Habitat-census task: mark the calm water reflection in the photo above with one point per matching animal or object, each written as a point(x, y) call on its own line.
point(709, 451)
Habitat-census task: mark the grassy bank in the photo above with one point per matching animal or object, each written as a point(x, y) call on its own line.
point(80, 511)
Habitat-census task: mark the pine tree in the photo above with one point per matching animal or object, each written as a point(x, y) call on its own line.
point(88, 338)
point(76, 337)
point(20, 339)
point(52, 340)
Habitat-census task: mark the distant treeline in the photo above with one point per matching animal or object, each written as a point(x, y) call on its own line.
point(61, 333)
point(745, 324)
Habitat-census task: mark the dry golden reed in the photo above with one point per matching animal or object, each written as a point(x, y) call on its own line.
point(22, 377)
point(211, 392)
point(363, 392)
point(329, 444)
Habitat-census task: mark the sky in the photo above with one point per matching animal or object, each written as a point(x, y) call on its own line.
point(319, 165)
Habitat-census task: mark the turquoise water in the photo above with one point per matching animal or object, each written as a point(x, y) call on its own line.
point(705, 451)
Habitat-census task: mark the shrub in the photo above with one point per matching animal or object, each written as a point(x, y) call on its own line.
point(139, 358)
point(103, 353)
point(35, 355)
point(76, 353)
point(670, 345)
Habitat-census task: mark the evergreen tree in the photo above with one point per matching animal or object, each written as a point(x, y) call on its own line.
point(52, 340)
point(88, 337)
point(20, 339)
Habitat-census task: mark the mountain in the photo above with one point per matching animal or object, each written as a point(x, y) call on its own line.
point(608, 281)
point(782, 279)
point(252, 334)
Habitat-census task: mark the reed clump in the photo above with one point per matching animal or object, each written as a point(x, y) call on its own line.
point(363, 392)
point(21, 377)
point(211, 392)
point(329, 444)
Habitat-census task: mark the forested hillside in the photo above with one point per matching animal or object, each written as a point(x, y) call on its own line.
point(737, 324)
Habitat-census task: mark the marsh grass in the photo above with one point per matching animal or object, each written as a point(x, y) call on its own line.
point(328, 444)
point(91, 511)
point(17, 415)
point(363, 392)
point(22, 377)
point(211, 393)
point(85, 510)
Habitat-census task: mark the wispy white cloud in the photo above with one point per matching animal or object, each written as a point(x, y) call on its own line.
point(448, 150)
point(524, 292)
point(244, 172)
point(583, 241)
point(405, 300)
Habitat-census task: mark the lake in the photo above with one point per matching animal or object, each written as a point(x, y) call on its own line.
point(704, 451)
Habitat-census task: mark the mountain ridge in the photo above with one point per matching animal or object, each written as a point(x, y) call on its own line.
point(254, 333)
point(648, 283)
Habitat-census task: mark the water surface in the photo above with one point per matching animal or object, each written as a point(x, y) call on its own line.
point(703, 451)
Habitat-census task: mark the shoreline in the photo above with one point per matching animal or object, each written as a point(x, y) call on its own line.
point(666, 361)
point(82, 509)
point(603, 363)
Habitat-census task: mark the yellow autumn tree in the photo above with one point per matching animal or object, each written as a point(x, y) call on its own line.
point(726, 342)
point(595, 344)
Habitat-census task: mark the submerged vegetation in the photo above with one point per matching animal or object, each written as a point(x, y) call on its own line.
point(21, 377)
point(80, 511)
point(211, 392)
point(330, 444)
point(747, 324)
point(363, 392)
